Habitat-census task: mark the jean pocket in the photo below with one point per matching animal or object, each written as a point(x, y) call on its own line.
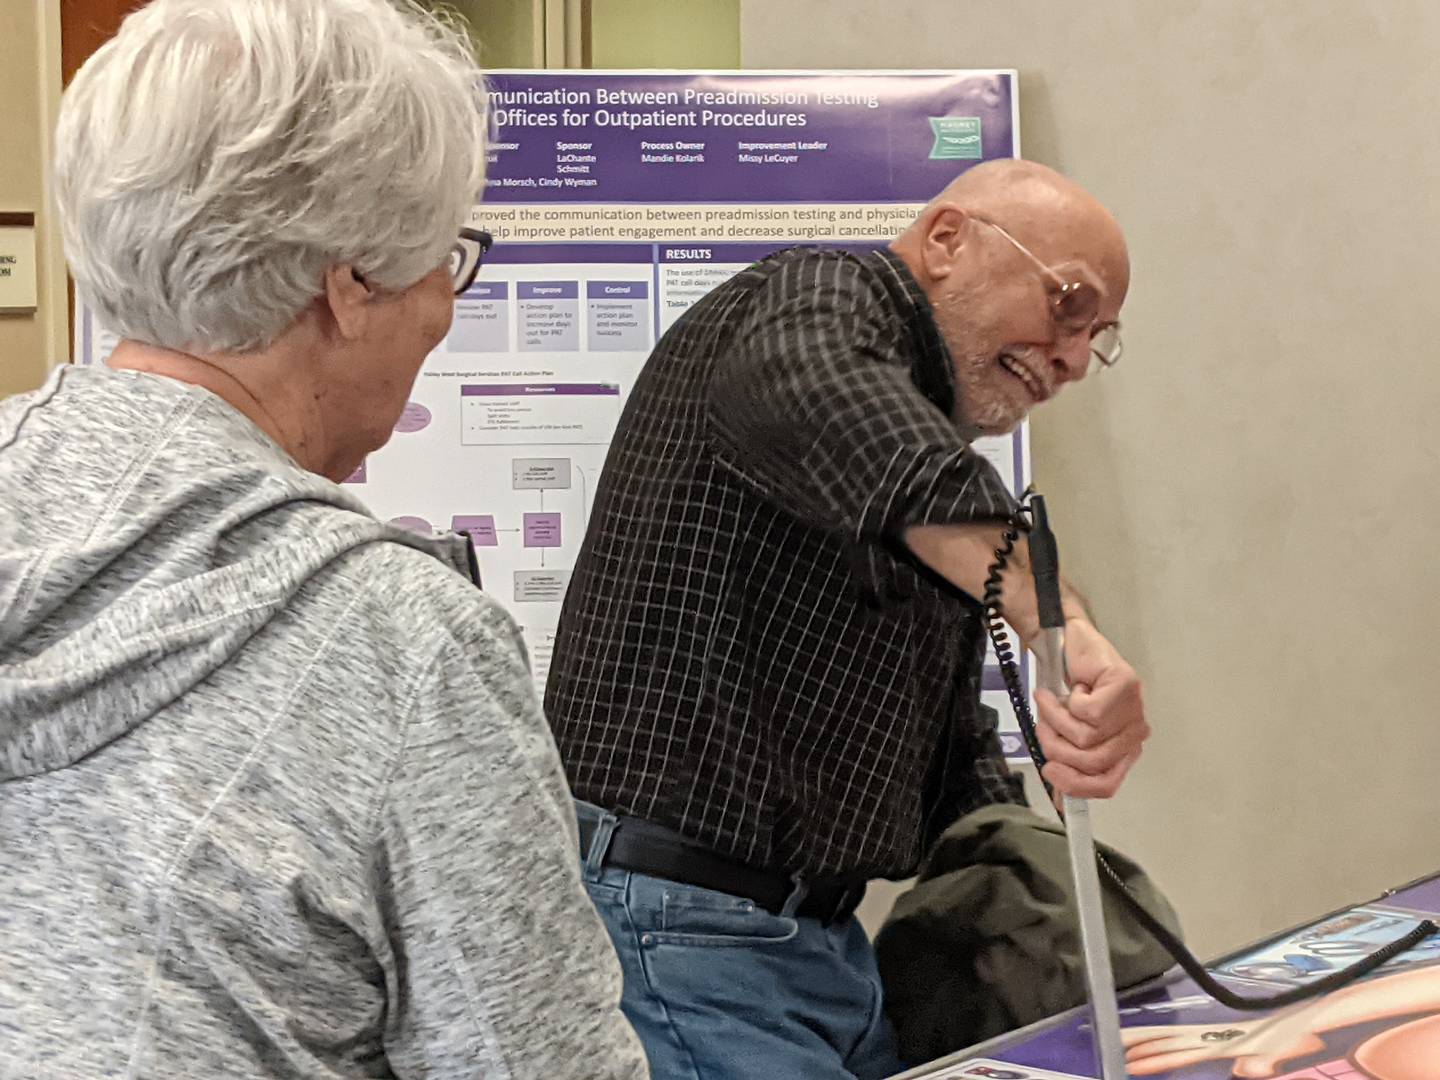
point(702, 917)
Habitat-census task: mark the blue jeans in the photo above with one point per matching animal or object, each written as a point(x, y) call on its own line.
point(718, 988)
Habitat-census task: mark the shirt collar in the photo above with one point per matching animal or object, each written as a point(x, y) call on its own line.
point(931, 366)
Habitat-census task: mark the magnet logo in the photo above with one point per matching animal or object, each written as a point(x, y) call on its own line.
point(956, 138)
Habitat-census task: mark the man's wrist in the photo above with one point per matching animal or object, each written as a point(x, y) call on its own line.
point(1074, 604)
point(1026, 626)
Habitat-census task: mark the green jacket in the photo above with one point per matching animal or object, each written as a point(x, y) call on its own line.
point(986, 940)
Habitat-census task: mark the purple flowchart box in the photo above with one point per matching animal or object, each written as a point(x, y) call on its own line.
point(414, 417)
point(481, 528)
point(617, 290)
point(487, 290)
point(619, 315)
point(542, 530)
point(482, 319)
point(549, 290)
point(414, 524)
point(549, 313)
point(524, 414)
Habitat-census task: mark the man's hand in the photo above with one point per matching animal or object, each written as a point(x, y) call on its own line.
point(1092, 740)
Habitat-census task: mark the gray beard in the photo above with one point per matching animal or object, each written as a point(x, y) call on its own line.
point(971, 426)
point(968, 431)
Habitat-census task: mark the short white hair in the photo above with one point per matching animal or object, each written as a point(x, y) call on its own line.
point(216, 157)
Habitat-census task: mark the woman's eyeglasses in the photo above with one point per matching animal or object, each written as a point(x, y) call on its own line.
point(466, 257)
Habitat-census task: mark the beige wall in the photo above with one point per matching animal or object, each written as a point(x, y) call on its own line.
point(1253, 497)
point(624, 33)
point(665, 33)
point(29, 60)
point(509, 33)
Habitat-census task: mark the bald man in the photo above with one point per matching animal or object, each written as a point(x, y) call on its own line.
point(765, 685)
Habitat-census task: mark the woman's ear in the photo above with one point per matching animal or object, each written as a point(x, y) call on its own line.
point(347, 297)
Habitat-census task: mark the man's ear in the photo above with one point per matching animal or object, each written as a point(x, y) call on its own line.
point(944, 231)
point(348, 296)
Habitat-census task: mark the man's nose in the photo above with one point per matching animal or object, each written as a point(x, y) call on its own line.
point(1070, 357)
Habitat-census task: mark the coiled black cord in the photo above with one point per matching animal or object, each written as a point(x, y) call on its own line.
point(1000, 639)
point(1015, 689)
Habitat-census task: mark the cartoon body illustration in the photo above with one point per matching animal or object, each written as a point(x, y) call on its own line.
point(1262, 1048)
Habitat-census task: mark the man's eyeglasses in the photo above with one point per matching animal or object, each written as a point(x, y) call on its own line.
point(466, 257)
point(1075, 305)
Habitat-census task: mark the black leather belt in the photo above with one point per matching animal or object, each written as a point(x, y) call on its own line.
point(646, 848)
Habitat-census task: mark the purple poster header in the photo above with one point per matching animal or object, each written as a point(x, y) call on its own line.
point(568, 253)
point(488, 290)
point(617, 290)
point(717, 253)
point(548, 290)
point(748, 137)
point(527, 389)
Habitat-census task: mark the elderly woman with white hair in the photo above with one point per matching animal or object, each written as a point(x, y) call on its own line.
point(276, 796)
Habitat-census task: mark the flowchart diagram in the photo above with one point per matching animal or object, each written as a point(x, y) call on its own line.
point(540, 530)
point(520, 460)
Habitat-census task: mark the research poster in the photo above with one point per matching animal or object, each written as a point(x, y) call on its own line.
point(616, 201)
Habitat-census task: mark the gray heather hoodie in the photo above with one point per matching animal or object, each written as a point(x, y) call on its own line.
point(276, 798)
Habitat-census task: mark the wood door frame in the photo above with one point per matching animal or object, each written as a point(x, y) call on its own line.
point(77, 29)
point(85, 25)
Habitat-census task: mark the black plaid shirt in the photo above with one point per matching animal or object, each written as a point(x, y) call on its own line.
point(747, 653)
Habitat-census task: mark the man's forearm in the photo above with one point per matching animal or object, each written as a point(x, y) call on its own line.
point(963, 555)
